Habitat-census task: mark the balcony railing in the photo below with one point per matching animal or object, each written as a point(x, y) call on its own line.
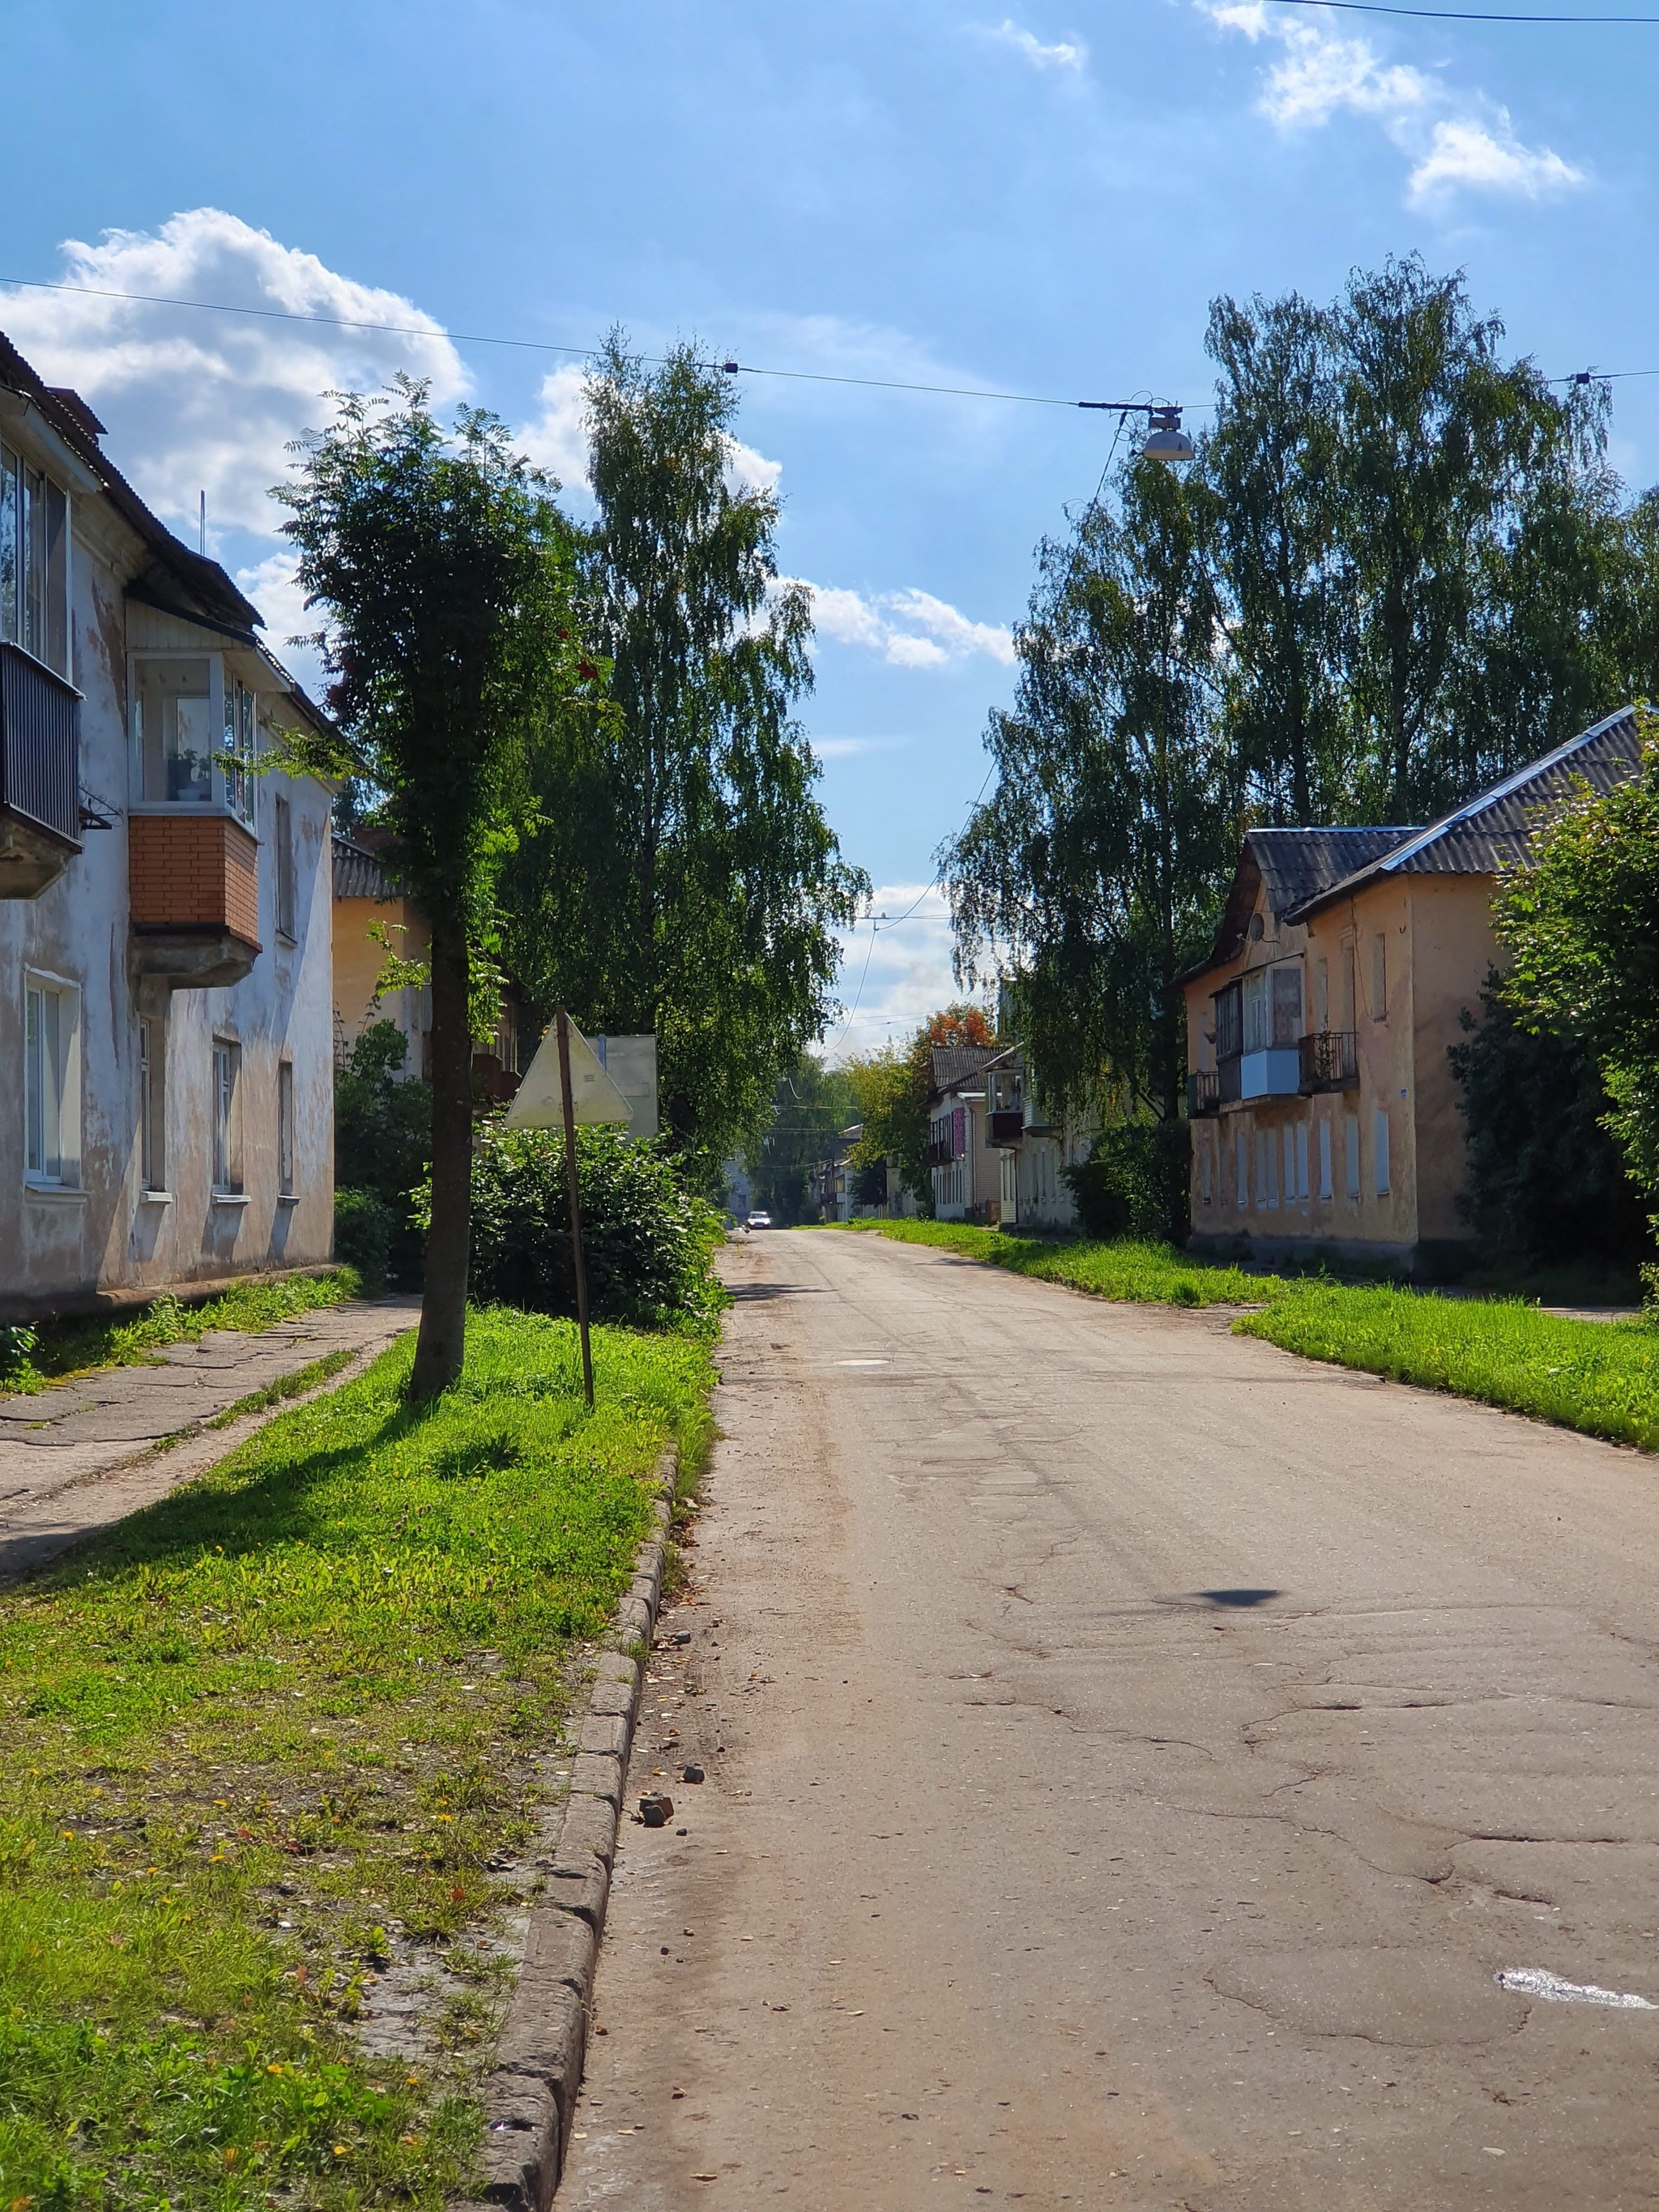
point(1203, 1093)
point(941, 1153)
point(40, 744)
point(1229, 1078)
point(1330, 1061)
point(1007, 1127)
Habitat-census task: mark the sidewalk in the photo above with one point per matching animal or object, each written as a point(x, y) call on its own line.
point(81, 1456)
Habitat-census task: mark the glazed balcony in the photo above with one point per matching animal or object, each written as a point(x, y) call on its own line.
point(40, 774)
point(193, 887)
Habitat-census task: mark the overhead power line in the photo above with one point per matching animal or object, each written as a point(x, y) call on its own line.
point(1457, 14)
point(580, 353)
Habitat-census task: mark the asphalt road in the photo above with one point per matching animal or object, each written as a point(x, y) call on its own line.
point(1134, 1754)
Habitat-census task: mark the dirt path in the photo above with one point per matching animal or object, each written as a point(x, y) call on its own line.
point(1132, 1755)
point(81, 1456)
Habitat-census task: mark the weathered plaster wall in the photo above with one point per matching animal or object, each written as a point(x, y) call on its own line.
point(105, 1234)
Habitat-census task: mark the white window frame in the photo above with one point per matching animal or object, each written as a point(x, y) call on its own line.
point(226, 1065)
point(51, 1082)
point(19, 473)
point(232, 737)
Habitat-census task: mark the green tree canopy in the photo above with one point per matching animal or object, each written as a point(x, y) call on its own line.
point(443, 572)
point(1580, 918)
point(682, 876)
point(1093, 869)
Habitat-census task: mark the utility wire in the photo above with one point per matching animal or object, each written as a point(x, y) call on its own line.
point(1457, 14)
point(546, 345)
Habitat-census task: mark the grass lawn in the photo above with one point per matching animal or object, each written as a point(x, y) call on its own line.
point(1602, 1378)
point(58, 1349)
point(272, 1733)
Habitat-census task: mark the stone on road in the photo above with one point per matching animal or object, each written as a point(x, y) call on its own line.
point(1134, 1755)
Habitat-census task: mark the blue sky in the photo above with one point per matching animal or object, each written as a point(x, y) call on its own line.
point(1043, 201)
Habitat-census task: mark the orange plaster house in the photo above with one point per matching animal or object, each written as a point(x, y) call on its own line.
point(1325, 1116)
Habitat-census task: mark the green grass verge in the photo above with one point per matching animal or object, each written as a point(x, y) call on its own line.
point(267, 1738)
point(1600, 1378)
point(57, 1350)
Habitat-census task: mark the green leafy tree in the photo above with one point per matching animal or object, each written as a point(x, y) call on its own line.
point(383, 1144)
point(1270, 463)
point(443, 573)
point(811, 1104)
point(1093, 869)
point(1581, 920)
point(683, 877)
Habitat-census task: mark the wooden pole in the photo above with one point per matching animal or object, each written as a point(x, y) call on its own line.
point(575, 1204)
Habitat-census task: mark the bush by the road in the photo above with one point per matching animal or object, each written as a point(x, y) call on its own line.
point(649, 1244)
point(1601, 1377)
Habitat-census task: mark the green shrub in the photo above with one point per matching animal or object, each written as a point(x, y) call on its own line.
point(364, 1227)
point(1544, 1180)
point(647, 1244)
point(383, 1144)
point(1134, 1183)
point(17, 1342)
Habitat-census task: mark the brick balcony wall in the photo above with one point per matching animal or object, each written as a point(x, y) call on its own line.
point(193, 871)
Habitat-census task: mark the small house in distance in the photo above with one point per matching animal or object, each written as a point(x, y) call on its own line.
point(1326, 1120)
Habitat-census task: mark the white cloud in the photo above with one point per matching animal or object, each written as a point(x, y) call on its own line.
point(1457, 141)
point(894, 976)
point(209, 402)
point(1465, 154)
point(556, 438)
point(275, 591)
point(908, 629)
point(1067, 54)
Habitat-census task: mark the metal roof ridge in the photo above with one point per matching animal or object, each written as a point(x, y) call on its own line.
point(1503, 789)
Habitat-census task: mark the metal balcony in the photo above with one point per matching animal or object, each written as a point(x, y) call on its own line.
point(1007, 1127)
point(1330, 1061)
point(1203, 1094)
point(40, 774)
point(940, 1154)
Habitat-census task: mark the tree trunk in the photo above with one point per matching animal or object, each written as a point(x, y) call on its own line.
point(442, 1342)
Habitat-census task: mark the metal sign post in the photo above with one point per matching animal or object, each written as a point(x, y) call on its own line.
point(569, 1105)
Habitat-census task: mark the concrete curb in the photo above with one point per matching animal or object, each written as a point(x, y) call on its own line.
point(531, 2097)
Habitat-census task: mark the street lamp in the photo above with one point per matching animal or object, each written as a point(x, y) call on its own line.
point(1165, 440)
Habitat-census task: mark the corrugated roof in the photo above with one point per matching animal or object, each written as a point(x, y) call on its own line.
point(358, 874)
point(1491, 830)
point(1288, 866)
point(954, 1064)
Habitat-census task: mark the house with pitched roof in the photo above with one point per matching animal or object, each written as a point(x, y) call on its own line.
point(166, 1061)
point(1325, 1116)
point(964, 1167)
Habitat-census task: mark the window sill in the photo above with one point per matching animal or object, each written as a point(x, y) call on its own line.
point(229, 1198)
point(287, 937)
point(55, 1193)
point(156, 1198)
point(288, 1198)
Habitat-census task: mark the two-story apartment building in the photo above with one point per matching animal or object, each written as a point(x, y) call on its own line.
point(166, 1060)
point(964, 1168)
point(1325, 1114)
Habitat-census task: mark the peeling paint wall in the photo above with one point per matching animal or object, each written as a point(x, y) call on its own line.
point(101, 1230)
